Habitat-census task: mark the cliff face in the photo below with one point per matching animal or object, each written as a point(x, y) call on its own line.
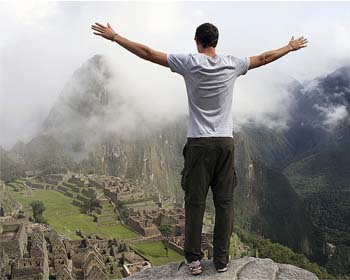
point(320, 173)
point(247, 268)
point(313, 155)
point(266, 203)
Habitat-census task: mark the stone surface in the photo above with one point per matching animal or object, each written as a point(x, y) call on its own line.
point(247, 268)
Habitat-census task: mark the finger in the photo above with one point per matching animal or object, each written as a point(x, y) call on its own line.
point(292, 38)
point(97, 28)
point(100, 31)
point(102, 26)
point(99, 34)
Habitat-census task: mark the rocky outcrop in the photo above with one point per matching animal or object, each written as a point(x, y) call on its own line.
point(247, 268)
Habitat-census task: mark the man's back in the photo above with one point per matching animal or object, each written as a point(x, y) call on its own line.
point(209, 82)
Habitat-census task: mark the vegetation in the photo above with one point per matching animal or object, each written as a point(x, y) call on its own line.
point(89, 206)
point(166, 231)
point(38, 210)
point(339, 264)
point(322, 178)
point(279, 253)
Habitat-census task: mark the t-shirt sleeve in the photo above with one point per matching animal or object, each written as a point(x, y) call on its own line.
point(178, 62)
point(241, 64)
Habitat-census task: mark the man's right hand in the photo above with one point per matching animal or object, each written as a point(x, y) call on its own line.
point(106, 32)
point(297, 44)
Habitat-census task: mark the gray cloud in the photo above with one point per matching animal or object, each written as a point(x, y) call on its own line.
point(332, 114)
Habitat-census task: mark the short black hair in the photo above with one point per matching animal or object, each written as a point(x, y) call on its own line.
point(207, 34)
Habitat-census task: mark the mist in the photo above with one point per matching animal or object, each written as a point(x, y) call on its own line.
point(43, 43)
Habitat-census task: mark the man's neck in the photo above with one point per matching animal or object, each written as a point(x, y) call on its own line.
point(209, 52)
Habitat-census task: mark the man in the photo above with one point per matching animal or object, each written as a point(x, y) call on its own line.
point(209, 150)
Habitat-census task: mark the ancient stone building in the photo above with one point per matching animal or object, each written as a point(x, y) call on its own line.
point(75, 180)
point(30, 269)
point(177, 244)
point(35, 185)
point(115, 255)
point(96, 182)
point(60, 265)
point(35, 265)
point(174, 216)
point(52, 179)
point(140, 222)
point(88, 264)
point(5, 270)
point(13, 240)
point(123, 190)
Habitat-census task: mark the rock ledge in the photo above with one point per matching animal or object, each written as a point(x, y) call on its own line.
point(247, 268)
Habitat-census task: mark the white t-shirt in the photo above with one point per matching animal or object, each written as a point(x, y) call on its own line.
point(209, 83)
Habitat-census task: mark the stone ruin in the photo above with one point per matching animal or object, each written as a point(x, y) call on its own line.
point(176, 243)
point(34, 264)
point(143, 224)
point(116, 255)
point(39, 252)
point(13, 240)
point(25, 254)
point(52, 179)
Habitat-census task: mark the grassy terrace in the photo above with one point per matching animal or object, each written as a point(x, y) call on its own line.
point(65, 217)
point(155, 252)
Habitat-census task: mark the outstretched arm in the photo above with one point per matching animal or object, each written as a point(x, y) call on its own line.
point(267, 57)
point(138, 49)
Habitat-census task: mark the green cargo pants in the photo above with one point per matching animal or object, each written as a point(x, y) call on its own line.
point(208, 161)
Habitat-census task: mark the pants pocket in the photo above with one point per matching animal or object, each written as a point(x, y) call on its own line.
point(235, 181)
point(193, 161)
point(183, 179)
point(183, 172)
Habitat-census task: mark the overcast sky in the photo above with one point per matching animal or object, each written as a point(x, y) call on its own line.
point(42, 43)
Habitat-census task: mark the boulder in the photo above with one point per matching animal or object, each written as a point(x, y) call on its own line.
point(247, 268)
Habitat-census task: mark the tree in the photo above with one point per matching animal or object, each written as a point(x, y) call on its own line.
point(166, 231)
point(38, 208)
point(89, 206)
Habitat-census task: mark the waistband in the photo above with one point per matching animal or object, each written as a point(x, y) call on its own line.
point(209, 139)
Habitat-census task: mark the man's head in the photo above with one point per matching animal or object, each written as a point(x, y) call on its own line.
point(206, 36)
